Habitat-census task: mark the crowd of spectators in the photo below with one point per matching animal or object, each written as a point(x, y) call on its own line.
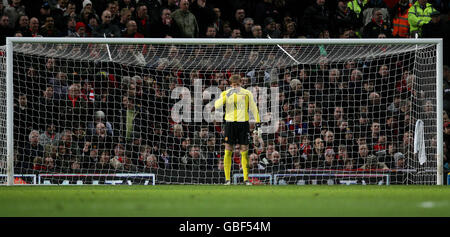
point(334, 116)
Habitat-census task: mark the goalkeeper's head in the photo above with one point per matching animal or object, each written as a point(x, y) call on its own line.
point(235, 80)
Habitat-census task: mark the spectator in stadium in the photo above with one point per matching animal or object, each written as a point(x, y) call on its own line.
point(92, 24)
point(193, 160)
point(204, 14)
point(142, 19)
point(318, 154)
point(257, 31)
point(391, 127)
point(31, 150)
point(316, 126)
point(376, 26)
point(363, 154)
point(338, 117)
point(446, 88)
point(211, 32)
point(358, 7)
point(419, 15)
point(375, 133)
point(38, 164)
point(296, 123)
point(106, 29)
point(237, 21)
point(186, 21)
point(341, 130)
point(99, 117)
point(24, 114)
point(267, 153)
point(88, 158)
point(59, 82)
point(201, 136)
point(446, 133)
point(211, 152)
point(71, 30)
point(115, 14)
point(291, 31)
point(49, 136)
point(330, 161)
point(74, 108)
point(258, 77)
point(235, 34)
point(435, 28)
point(120, 161)
point(399, 159)
point(292, 155)
point(282, 141)
point(343, 19)
point(400, 23)
point(69, 143)
point(372, 163)
point(131, 30)
point(407, 143)
point(295, 91)
point(246, 30)
point(144, 152)
point(165, 27)
point(376, 107)
point(130, 119)
point(270, 29)
point(5, 29)
point(87, 6)
point(329, 141)
point(254, 164)
point(151, 164)
point(125, 16)
point(48, 29)
point(388, 159)
point(172, 5)
point(104, 162)
point(343, 154)
point(316, 19)
point(22, 26)
point(79, 137)
point(13, 11)
point(333, 82)
point(101, 139)
point(218, 21)
point(44, 12)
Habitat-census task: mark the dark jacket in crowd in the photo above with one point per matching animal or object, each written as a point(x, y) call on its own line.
point(316, 19)
point(110, 30)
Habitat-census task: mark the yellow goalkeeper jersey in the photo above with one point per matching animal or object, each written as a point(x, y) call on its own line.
point(237, 102)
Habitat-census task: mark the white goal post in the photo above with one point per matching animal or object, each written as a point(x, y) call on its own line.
point(296, 50)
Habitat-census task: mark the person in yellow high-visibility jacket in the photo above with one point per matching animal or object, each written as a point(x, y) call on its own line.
point(237, 101)
point(419, 14)
point(358, 7)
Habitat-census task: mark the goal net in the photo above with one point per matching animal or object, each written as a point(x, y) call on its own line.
point(140, 111)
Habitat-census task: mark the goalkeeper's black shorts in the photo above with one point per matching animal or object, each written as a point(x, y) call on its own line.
point(237, 133)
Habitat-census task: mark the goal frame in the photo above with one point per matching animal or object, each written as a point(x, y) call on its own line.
point(10, 41)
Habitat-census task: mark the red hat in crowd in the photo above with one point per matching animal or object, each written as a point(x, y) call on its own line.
point(78, 25)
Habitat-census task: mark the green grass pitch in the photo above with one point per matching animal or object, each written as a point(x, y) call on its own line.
point(225, 201)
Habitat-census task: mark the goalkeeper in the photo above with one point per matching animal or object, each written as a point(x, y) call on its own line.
point(237, 102)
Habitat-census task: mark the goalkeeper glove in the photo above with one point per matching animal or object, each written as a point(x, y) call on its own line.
point(258, 131)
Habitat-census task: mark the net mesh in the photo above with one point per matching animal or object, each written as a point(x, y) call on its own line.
point(343, 114)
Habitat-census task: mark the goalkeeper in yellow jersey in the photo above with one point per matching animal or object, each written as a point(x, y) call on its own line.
point(237, 101)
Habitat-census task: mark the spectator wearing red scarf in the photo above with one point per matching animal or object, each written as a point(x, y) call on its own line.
point(377, 26)
point(76, 107)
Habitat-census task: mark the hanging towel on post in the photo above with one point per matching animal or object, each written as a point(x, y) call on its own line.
point(419, 142)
